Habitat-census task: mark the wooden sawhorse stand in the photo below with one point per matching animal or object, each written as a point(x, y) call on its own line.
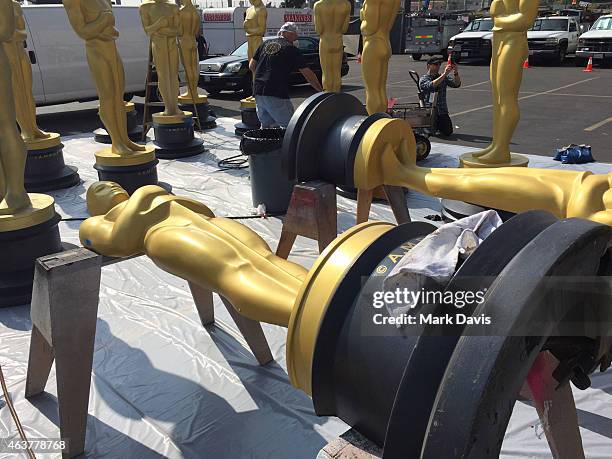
point(312, 213)
point(64, 312)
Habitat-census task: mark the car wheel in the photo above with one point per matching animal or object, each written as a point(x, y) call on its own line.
point(417, 57)
point(580, 61)
point(423, 147)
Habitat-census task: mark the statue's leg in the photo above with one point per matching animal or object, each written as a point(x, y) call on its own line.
point(327, 67)
point(508, 81)
point(494, 96)
point(161, 58)
point(28, 97)
point(174, 60)
point(12, 149)
point(336, 64)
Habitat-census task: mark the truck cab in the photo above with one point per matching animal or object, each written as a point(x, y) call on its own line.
point(597, 42)
point(553, 37)
point(474, 43)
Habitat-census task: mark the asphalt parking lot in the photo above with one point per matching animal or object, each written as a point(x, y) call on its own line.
point(559, 106)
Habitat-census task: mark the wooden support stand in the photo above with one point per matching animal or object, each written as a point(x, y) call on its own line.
point(64, 313)
point(312, 214)
point(396, 198)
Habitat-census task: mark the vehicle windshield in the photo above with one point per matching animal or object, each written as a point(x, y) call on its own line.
point(541, 25)
point(484, 25)
point(602, 24)
point(242, 50)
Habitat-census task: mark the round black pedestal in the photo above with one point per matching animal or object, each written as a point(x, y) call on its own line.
point(207, 121)
point(45, 170)
point(20, 249)
point(249, 121)
point(456, 210)
point(134, 130)
point(129, 177)
point(177, 140)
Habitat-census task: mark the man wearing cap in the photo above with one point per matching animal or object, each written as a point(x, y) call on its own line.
point(272, 65)
point(432, 82)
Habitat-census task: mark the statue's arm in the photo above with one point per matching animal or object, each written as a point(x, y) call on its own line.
point(88, 30)
point(318, 22)
point(370, 17)
point(521, 21)
point(262, 19)
point(7, 20)
point(347, 18)
point(20, 25)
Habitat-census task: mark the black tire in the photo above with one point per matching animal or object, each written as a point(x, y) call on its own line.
point(580, 61)
point(417, 56)
point(423, 147)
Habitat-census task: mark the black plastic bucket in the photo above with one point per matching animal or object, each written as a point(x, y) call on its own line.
point(269, 185)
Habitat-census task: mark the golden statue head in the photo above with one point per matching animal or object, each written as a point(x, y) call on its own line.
point(103, 196)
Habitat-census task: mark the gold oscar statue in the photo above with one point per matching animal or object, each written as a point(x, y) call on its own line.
point(377, 19)
point(183, 237)
point(162, 23)
point(331, 22)
point(18, 210)
point(512, 19)
point(190, 27)
point(93, 21)
point(387, 155)
point(255, 20)
point(21, 69)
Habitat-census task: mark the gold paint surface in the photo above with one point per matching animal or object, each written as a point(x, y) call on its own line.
point(331, 18)
point(160, 118)
point(377, 19)
point(254, 25)
point(200, 99)
point(41, 210)
point(248, 102)
point(106, 157)
point(469, 161)
point(315, 294)
point(190, 26)
point(42, 144)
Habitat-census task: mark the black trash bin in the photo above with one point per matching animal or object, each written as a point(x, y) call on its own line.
point(269, 185)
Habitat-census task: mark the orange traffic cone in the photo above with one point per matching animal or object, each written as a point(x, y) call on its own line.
point(589, 67)
point(526, 64)
point(450, 59)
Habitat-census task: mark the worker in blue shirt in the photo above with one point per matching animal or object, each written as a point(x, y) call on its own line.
point(432, 82)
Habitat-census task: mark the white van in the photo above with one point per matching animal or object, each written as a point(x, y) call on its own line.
point(224, 30)
point(59, 65)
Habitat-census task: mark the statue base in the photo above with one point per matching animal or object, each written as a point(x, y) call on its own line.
point(45, 169)
point(174, 137)
point(131, 172)
point(249, 117)
point(516, 160)
point(25, 236)
point(207, 121)
point(134, 129)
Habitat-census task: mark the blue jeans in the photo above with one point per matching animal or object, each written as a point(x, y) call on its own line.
point(273, 111)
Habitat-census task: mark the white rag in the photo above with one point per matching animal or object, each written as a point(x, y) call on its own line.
point(436, 257)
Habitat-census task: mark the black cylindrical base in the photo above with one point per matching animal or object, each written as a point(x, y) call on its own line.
point(207, 120)
point(45, 170)
point(249, 121)
point(177, 140)
point(456, 210)
point(129, 177)
point(134, 130)
point(20, 249)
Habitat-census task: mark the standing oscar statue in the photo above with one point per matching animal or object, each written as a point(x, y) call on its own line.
point(511, 19)
point(191, 22)
point(28, 222)
point(45, 168)
point(174, 128)
point(331, 22)
point(377, 19)
point(255, 28)
point(125, 162)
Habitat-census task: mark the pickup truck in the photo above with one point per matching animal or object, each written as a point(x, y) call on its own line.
point(597, 42)
point(59, 65)
point(553, 37)
point(474, 43)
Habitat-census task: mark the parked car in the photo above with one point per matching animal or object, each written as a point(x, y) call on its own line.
point(60, 72)
point(553, 37)
point(231, 73)
point(474, 43)
point(597, 42)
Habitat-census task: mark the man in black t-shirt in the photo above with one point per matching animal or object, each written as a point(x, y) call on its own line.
point(272, 65)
